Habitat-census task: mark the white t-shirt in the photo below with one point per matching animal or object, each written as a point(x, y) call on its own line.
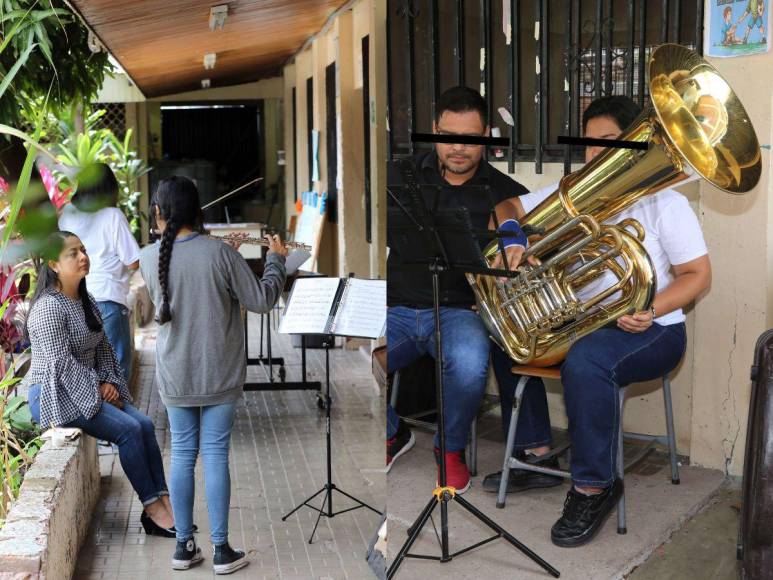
point(111, 248)
point(672, 236)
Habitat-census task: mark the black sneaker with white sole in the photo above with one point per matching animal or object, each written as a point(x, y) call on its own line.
point(186, 554)
point(227, 560)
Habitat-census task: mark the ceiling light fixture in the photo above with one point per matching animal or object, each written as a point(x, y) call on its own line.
point(217, 16)
point(209, 60)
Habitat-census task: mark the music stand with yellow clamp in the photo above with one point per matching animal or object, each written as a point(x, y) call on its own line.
point(437, 235)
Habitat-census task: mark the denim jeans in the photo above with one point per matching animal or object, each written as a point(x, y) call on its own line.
point(466, 345)
point(595, 368)
point(135, 435)
point(115, 319)
point(207, 429)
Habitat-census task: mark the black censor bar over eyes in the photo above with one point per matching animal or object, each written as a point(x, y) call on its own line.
point(504, 142)
point(589, 142)
point(460, 139)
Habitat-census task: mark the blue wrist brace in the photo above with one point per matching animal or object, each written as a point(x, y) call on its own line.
point(518, 238)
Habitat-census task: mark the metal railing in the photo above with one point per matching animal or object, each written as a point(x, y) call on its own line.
point(559, 55)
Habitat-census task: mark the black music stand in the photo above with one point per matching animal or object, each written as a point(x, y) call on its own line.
point(437, 235)
point(329, 486)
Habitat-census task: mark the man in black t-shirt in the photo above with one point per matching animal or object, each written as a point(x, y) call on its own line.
point(454, 176)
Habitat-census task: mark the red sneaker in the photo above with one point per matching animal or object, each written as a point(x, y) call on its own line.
point(457, 474)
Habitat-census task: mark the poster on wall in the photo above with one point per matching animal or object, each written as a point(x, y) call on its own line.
point(737, 27)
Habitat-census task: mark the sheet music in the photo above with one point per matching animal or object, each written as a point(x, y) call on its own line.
point(310, 303)
point(362, 311)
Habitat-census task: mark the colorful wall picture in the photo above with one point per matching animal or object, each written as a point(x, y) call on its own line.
point(737, 27)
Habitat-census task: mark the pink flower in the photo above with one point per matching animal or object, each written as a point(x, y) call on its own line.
point(57, 197)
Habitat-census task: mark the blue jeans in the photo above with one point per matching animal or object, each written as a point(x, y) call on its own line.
point(466, 345)
point(135, 435)
point(595, 368)
point(208, 429)
point(115, 319)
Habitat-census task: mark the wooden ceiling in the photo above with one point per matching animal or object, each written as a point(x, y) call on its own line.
point(162, 43)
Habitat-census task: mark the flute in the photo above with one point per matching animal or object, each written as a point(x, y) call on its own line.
point(250, 240)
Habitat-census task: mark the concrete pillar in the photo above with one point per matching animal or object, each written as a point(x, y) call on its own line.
point(352, 250)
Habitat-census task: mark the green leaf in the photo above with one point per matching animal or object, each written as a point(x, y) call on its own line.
point(44, 43)
point(15, 68)
point(17, 414)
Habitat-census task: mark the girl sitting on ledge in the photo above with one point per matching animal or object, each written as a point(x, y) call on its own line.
point(75, 379)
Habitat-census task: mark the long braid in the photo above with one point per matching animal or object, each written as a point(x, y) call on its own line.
point(164, 257)
point(176, 202)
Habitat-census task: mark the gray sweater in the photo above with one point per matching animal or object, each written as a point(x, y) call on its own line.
point(200, 356)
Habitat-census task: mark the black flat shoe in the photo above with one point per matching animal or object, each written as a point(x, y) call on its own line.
point(151, 527)
point(584, 515)
point(522, 479)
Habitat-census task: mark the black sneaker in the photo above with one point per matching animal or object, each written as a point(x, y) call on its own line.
point(227, 560)
point(583, 515)
point(523, 479)
point(186, 554)
point(399, 444)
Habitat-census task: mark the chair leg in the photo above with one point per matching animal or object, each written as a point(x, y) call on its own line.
point(621, 523)
point(511, 440)
point(474, 447)
point(670, 430)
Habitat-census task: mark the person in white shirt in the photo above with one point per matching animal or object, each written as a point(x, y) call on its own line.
point(639, 347)
point(113, 251)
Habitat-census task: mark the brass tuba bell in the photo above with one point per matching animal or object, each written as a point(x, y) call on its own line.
point(694, 119)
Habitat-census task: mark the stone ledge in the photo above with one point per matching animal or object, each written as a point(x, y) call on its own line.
point(47, 524)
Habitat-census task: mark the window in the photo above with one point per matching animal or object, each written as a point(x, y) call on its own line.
point(585, 49)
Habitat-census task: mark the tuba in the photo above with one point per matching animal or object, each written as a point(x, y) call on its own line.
point(694, 119)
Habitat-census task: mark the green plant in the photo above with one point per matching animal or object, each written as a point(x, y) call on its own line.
point(45, 50)
point(81, 149)
point(16, 453)
point(85, 149)
point(19, 440)
point(128, 169)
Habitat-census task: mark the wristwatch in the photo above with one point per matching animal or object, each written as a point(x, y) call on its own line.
point(652, 309)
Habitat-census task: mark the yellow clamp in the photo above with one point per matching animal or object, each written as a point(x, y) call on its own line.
point(439, 491)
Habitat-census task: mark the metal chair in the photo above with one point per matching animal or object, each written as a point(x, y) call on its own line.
point(669, 439)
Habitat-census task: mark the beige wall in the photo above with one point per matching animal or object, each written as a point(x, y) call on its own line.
point(343, 249)
point(711, 388)
point(739, 231)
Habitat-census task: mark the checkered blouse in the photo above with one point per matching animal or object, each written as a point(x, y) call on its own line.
point(69, 360)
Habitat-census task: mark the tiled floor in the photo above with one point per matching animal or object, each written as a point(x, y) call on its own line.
point(277, 460)
point(655, 509)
